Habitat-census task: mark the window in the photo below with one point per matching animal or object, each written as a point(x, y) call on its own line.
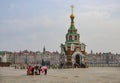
point(75, 37)
point(70, 37)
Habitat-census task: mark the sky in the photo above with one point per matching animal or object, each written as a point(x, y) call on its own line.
point(33, 24)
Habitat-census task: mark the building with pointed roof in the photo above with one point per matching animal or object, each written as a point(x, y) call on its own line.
point(73, 51)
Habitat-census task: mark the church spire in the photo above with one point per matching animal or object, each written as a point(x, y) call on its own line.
point(72, 16)
point(44, 50)
point(72, 27)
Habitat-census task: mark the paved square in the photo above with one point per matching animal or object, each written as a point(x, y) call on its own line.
point(78, 75)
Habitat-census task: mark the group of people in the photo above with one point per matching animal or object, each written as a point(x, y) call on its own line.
point(36, 70)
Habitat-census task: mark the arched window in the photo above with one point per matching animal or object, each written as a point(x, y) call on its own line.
point(70, 37)
point(75, 37)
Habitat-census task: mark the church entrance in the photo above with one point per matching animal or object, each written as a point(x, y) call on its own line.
point(77, 59)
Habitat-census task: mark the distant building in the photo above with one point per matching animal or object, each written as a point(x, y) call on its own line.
point(50, 58)
point(4, 56)
point(103, 58)
point(29, 57)
point(45, 57)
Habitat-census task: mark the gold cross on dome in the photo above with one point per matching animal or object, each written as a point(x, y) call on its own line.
point(72, 6)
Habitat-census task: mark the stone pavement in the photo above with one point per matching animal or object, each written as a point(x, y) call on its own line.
point(78, 75)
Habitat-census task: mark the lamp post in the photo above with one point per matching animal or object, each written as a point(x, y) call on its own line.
point(107, 59)
point(26, 62)
point(14, 58)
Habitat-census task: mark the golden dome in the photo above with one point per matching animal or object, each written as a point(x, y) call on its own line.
point(72, 16)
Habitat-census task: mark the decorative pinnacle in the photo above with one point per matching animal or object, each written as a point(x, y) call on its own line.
point(72, 16)
point(72, 6)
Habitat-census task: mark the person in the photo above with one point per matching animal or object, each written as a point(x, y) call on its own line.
point(44, 70)
point(36, 70)
point(30, 70)
point(39, 69)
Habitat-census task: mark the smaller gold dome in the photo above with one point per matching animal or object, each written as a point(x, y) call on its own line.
point(72, 16)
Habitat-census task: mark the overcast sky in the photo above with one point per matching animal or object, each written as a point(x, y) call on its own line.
point(33, 24)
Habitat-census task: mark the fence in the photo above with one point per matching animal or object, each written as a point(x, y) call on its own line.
point(103, 65)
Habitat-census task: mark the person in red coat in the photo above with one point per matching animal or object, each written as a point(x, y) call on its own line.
point(44, 70)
